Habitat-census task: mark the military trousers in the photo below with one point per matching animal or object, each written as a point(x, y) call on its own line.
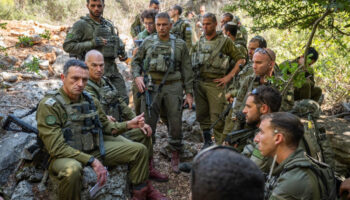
point(230, 125)
point(308, 91)
point(168, 105)
point(210, 103)
point(119, 150)
point(136, 99)
point(137, 135)
point(112, 73)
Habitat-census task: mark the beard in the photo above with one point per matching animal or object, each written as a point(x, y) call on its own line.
point(95, 14)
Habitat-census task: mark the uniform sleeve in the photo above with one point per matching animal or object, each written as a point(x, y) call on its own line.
point(186, 70)
point(107, 125)
point(231, 50)
point(187, 32)
point(128, 114)
point(50, 125)
point(91, 91)
point(137, 61)
point(74, 43)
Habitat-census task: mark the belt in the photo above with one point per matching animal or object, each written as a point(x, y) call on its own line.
point(157, 82)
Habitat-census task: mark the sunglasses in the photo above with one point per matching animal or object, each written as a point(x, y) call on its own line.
point(256, 93)
point(263, 51)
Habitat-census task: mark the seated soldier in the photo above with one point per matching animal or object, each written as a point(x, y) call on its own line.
point(220, 173)
point(101, 88)
point(74, 130)
point(308, 90)
point(295, 176)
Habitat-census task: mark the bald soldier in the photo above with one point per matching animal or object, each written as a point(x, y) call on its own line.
point(101, 88)
point(77, 133)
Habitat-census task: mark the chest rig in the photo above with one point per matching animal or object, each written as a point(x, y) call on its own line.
point(209, 57)
point(82, 129)
point(104, 30)
point(160, 55)
point(108, 97)
point(176, 30)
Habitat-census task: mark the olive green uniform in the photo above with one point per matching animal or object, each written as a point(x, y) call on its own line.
point(210, 60)
point(84, 36)
point(182, 29)
point(308, 90)
point(294, 179)
point(107, 94)
point(136, 26)
point(153, 53)
point(71, 145)
point(242, 35)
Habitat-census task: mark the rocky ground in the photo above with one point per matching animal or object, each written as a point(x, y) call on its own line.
point(21, 89)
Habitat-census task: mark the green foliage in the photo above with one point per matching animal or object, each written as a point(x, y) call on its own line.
point(24, 41)
point(46, 35)
point(3, 25)
point(33, 66)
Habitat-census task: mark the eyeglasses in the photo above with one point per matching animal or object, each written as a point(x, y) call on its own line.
point(149, 24)
point(263, 51)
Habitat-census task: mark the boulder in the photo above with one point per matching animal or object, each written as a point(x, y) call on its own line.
point(11, 148)
point(44, 64)
point(7, 61)
point(23, 191)
point(59, 63)
point(9, 77)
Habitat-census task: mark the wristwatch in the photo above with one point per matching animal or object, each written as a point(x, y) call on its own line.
point(91, 160)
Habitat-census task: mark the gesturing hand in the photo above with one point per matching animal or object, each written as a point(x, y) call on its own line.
point(137, 122)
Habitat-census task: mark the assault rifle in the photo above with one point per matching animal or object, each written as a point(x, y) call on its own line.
point(146, 81)
point(222, 116)
point(239, 136)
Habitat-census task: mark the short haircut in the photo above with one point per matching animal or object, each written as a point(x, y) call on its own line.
point(262, 42)
point(74, 63)
point(229, 15)
point(154, 2)
point(178, 8)
point(210, 15)
point(314, 54)
point(163, 15)
point(92, 52)
point(231, 28)
point(288, 124)
point(222, 173)
point(150, 13)
point(267, 95)
point(88, 1)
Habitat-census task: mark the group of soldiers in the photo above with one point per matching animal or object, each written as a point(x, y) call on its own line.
point(242, 100)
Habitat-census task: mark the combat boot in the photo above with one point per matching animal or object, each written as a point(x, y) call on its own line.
point(185, 167)
point(175, 160)
point(154, 194)
point(140, 194)
point(207, 139)
point(155, 174)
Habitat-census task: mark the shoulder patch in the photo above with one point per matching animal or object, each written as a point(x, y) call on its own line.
point(50, 101)
point(50, 120)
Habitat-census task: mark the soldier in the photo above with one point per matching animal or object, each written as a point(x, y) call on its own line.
point(77, 133)
point(181, 28)
point(264, 62)
point(148, 19)
point(308, 90)
point(167, 62)
point(95, 32)
point(296, 176)
point(242, 34)
point(235, 177)
point(116, 110)
point(210, 58)
point(137, 27)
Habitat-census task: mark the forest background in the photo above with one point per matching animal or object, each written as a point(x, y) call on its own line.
point(286, 25)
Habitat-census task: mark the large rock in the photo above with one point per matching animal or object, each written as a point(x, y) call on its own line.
point(23, 191)
point(7, 61)
point(9, 77)
point(11, 148)
point(59, 63)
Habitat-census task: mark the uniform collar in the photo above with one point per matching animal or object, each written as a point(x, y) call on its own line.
point(102, 82)
point(66, 98)
point(296, 154)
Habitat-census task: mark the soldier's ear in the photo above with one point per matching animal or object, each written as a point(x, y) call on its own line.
point(264, 109)
point(62, 77)
point(278, 138)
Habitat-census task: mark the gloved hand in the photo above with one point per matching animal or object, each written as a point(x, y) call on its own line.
point(98, 41)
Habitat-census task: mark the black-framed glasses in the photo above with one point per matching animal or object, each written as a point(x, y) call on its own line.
point(263, 51)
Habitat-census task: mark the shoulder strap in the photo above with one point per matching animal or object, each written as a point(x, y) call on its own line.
point(216, 52)
point(95, 87)
point(109, 83)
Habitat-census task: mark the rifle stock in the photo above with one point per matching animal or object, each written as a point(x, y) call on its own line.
point(235, 137)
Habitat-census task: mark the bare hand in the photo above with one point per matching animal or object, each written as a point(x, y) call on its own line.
point(345, 188)
point(137, 122)
point(140, 84)
point(104, 41)
point(147, 130)
point(223, 81)
point(189, 101)
point(111, 118)
point(229, 97)
point(225, 143)
point(134, 51)
point(100, 171)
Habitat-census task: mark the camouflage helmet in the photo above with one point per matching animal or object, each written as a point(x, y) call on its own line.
point(306, 106)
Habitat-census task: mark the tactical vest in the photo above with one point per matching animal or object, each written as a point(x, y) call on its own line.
point(323, 173)
point(177, 29)
point(108, 97)
point(209, 57)
point(82, 128)
point(160, 54)
point(105, 31)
